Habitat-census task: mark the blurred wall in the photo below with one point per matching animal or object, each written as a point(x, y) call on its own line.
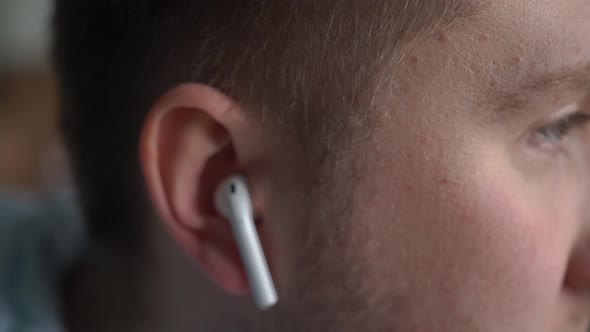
point(28, 103)
point(24, 33)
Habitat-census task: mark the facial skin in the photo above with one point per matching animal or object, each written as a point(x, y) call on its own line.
point(468, 215)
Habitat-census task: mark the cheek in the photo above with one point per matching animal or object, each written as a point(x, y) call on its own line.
point(515, 239)
point(466, 237)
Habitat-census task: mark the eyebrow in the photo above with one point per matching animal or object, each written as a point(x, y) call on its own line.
point(570, 78)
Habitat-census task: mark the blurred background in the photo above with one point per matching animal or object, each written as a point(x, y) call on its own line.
point(30, 155)
point(40, 233)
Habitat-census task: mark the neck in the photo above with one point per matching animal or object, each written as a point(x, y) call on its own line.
point(101, 293)
point(160, 290)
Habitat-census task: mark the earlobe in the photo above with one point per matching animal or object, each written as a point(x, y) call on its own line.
point(186, 150)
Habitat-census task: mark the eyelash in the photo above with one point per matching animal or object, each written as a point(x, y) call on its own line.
point(555, 132)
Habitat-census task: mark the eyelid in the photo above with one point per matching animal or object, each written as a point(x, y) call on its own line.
point(550, 137)
point(551, 118)
point(569, 109)
point(570, 113)
point(580, 119)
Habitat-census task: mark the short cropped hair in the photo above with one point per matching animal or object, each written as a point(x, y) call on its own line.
point(310, 66)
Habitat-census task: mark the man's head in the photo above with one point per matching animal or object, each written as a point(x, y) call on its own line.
point(414, 165)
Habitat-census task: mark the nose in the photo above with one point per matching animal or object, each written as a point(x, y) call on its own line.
point(577, 277)
point(578, 273)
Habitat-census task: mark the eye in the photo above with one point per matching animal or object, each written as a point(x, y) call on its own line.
point(554, 133)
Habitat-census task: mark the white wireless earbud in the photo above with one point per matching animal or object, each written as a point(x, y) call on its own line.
point(232, 200)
